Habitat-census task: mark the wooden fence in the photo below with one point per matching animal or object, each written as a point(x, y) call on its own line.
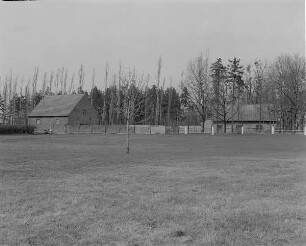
point(148, 129)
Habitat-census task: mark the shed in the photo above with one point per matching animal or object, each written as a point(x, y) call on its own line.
point(56, 112)
point(254, 117)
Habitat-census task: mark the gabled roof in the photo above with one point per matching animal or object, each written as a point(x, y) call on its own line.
point(254, 112)
point(59, 105)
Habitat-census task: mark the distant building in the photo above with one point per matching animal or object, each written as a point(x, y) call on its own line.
point(56, 112)
point(254, 118)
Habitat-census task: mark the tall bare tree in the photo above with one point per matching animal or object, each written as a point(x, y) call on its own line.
point(161, 98)
point(169, 103)
point(112, 103)
point(61, 80)
point(81, 74)
point(71, 87)
point(259, 84)
point(44, 85)
point(65, 82)
point(119, 120)
point(51, 81)
point(4, 103)
point(56, 80)
point(104, 99)
point(27, 103)
point(92, 85)
point(13, 100)
point(197, 82)
point(146, 103)
point(287, 74)
point(131, 101)
point(34, 88)
point(157, 110)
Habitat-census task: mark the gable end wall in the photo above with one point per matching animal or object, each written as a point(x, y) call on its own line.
point(76, 117)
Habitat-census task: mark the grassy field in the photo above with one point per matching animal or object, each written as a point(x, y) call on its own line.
point(170, 190)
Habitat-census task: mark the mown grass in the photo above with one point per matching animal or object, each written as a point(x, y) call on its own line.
point(171, 190)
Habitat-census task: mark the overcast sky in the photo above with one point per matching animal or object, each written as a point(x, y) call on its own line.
point(51, 34)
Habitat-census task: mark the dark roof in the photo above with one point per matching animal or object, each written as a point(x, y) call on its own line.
point(59, 105)
point(254, 112)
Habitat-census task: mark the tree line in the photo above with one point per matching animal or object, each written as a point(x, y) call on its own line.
point(206, 90)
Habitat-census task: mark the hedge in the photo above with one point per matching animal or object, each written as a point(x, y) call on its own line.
point(16, 129)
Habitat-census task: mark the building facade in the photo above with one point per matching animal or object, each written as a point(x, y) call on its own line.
point(254, 118)
point(57, 112)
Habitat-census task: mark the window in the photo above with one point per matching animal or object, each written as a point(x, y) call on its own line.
point(38, 121)
point(84, 112)
point(57, 121)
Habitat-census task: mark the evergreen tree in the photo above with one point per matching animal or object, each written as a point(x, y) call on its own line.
point(234, 77)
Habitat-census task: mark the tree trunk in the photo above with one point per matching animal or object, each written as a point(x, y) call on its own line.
point(157, 107)
point(169, 108)
point(224, 121)
point(233, 107)
point(128, 132)
point(161, 108)
point(157, 112)
point(127, 137)
point(203, 121)
point(104, 114)
point(119, 103)
point(294, 119)
point(146, 107)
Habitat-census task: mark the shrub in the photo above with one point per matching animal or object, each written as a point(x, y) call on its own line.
point(16, 129)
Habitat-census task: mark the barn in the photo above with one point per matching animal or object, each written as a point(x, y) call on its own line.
point(56, 112)
point(253, 117)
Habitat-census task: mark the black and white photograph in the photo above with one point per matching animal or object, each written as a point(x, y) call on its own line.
point(152, 123)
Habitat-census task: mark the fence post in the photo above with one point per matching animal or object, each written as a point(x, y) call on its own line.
point(212, 130)
point(186, 129)
point(304, 130)
point(273, 130)
point(242, 130)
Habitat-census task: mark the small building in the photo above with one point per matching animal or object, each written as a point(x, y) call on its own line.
point(57, 112)
point(253, 117)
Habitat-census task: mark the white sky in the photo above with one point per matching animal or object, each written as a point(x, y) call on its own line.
point(53, 33)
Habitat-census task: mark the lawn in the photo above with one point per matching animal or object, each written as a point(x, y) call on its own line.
point(170, 190)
